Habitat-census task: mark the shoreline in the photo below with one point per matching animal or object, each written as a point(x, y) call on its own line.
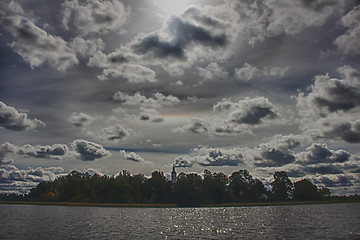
point(138, 205)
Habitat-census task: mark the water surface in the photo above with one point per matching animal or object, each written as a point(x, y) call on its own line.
point(327, 221)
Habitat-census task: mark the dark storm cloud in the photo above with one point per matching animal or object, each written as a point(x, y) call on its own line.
point(183, 34)
point(349, 132)
point(319, 153)
point(80, 119)
point(348, 43)
point(11, 119)
point(274, 158)
point(94, 16)
point(322, 169)
point(89, 151)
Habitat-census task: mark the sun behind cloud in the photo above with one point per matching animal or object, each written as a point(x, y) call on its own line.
point(172, 7)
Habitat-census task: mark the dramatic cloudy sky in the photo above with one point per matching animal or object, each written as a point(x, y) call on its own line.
point(224, 85)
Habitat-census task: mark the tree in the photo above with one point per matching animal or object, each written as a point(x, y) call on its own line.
point(282, 187)
point(239, 186)
point(188, 189)
point(304, 190)
point(214, 186)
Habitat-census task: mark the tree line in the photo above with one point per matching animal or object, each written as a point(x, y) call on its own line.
point(190, 189)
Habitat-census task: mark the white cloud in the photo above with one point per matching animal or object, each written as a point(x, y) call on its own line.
point(94, 16)
point(80, 119)
point(86, 47)
point(133, 157)
point(348, 43)
point(249, 72)
point(114, 133)
point(21, 181)
point(212, 71)
point(330, 109)
point(137, 99)
point(205, 156)
point(258, 20)
point(6, 149)
point(11, 119)
point(36, 46)
point(89, 151)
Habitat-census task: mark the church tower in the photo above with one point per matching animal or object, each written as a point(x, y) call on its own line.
point(173, 175)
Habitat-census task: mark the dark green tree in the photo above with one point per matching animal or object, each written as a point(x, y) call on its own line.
point(304, 190)
point(282, 187)
point(214, 187)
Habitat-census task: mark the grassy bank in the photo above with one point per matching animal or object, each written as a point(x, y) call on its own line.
point(134, 205)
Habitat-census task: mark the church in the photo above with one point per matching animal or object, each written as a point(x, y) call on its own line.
point(173, 174)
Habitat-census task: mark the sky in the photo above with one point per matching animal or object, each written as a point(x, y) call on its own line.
point(223, 85)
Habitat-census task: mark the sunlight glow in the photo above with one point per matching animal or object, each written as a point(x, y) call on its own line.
point(171, 7)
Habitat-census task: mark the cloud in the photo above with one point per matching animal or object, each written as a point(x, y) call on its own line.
point(183, 162)
point(122, 63)
point(183, 40)
point(36, 46)
point(136, 99)
point(94, 16)
point(232, 118)
point(196, 126)
point(89, 151)
point(212, 71)
point(249, 72)
point(183, 33)
point(55, 151)
point(250, 111)
point(80, 119)
point(86, 47)
point(205, 156)
point(11, 119)
point(258, 20)
point(330, 109)
point(21, 181)
point(348, 43)
point(115, 133)
point(6, 149)
point(277, 152)
point(322, 169)
point(319, 153)
point(335, 181)
point(151, 115)
point(133, 157)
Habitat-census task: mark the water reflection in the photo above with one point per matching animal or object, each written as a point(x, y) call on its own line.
point(337, 221)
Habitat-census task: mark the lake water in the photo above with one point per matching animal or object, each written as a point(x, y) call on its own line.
point(329, 221)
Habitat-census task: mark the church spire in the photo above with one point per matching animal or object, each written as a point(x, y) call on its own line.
point(173, 174)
